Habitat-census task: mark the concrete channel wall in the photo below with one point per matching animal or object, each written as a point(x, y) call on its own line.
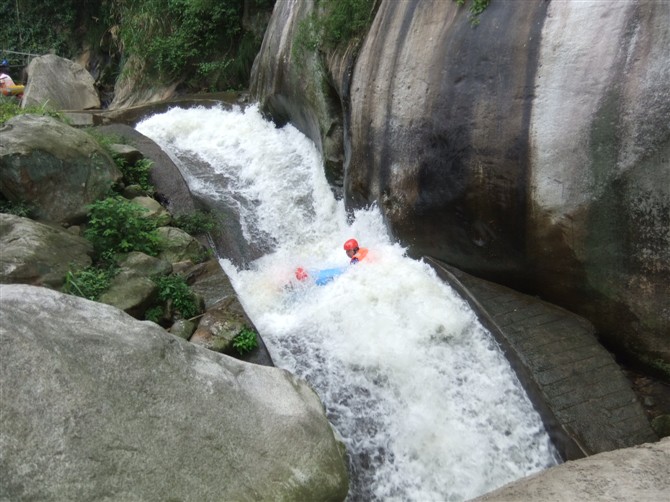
point(586, 402)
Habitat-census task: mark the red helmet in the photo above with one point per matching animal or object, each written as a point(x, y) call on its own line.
point(300, 274)
point(350, 244)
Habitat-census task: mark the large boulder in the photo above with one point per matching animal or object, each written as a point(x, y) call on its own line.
point(34, 253)
point(208, 280)
point(56, 168)
point(118, 409)
point(638, 473)
point(133, 294)
point(221, 324)
point(133, 289)
point(59, 84)
point(525, 150)
point(177, 246)
point(153, 210)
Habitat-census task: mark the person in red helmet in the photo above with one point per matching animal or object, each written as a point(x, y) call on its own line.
point(354, 252)
point(322, 277)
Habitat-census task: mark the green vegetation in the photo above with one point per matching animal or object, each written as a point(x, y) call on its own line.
point(155, 314)
point(476, 8)
point(173, 289)
point(133, 174)
point(333, 23)
point(173, 37)
point(41, 26)
point(10, 107)
point(137, 173)
point(204, 42)
point(196, 223)
point(106, 140)
point(245, 341)
point(89, 282)
point(16, 208)
point(116, 225)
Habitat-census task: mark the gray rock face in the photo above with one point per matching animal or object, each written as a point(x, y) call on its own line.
point(116, 408)
point(59, 84)
point(639, 473)
point(313, 104)
point(128, 91)
point(178, 246)
point(138, 263)
point(131, 292)
point(154, 211)
point(220, 325)
point(53, 166)
point(527, 150)
point(34, 253)
point(129, 154)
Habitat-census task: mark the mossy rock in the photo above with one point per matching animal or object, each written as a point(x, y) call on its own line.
point(661, 425)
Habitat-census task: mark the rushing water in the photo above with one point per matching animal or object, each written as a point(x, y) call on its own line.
point(423, 398)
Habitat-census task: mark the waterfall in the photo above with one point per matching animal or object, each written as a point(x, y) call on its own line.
point(423, 398)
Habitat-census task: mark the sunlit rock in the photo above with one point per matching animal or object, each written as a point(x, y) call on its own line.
point(59, 84)
point(116, 408)
point(639, 473)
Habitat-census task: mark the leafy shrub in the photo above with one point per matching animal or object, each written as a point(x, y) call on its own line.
point(332, 23)
point(9, 107)
point(174, 38)
point(136, 174)
point(116, 225)
point(173, 288)
point(476, 8)
point(177, 38)
point(89, 282)
point(16, 208)
point(245, 341)
point(345, 20)
point(40, 26)
point(196, 223)
point(155, 314)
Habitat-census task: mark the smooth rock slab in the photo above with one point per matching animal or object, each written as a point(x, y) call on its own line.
point(98, 406)
point(641, 473)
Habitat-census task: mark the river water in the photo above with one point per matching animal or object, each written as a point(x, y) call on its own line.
point(427, 405)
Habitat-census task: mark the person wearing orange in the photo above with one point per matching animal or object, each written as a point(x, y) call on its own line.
point(322, 277)
point(354, 252)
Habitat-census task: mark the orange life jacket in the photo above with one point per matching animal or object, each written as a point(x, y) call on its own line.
point(360, 255)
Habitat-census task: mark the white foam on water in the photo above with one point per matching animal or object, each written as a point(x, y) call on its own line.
point(426, 403)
